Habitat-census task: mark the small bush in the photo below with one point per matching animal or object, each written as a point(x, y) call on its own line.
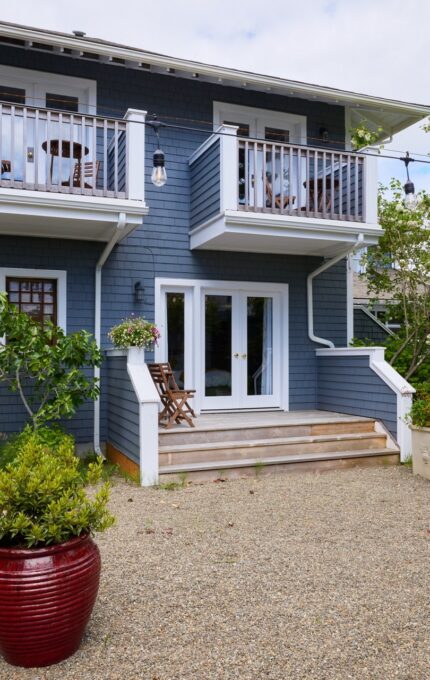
point(42, 493)
point(420, 411)
point(51, 437)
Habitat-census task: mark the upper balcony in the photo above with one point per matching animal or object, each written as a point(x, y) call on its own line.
point(255, 196)
point(70, 175)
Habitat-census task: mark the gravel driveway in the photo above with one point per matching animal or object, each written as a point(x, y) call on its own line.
point(277, 578)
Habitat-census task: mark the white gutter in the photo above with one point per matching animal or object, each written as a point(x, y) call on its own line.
point(322, 268)
point(97, 317)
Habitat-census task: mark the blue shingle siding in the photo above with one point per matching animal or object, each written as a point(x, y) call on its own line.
point(161, 246)
point(78, 258)
point(122, 410)
point(330, 304)
point(348, 385)
point(205, 198)
point(367, 329)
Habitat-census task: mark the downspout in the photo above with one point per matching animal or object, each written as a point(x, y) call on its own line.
point(322, 268)
point(97, 318)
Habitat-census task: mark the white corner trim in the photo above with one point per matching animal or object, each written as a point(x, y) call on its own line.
point(59, 274)
point(116, 352)
point(394, 380)
point(148, 399)
point(349, 299)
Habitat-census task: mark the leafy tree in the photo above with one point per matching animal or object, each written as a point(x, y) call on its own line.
point(44, 365)
point(398, 268)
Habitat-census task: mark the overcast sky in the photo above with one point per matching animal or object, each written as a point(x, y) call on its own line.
point(378, 47)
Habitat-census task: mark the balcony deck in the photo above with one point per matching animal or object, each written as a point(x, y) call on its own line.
point(69, 175)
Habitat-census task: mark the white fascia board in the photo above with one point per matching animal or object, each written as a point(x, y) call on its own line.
point(131, 54)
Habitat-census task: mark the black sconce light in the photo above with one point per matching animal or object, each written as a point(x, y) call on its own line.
point(138, 291)
point(159, 174)
point(410, 197)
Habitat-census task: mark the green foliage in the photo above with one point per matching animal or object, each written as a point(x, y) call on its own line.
point(42, 494)
point(45, 366)
point(51, 437)
point(420, 411)
point(134, 332)
point(398, 270)
point(362, 135)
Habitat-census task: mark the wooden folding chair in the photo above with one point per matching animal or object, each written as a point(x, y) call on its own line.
point(173, 399)
point(90, 171)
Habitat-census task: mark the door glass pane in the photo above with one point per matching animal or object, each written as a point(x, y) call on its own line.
point(175, 334)
point(260, 345)
point(12, 95)
point(61, 101)
point(218, 327)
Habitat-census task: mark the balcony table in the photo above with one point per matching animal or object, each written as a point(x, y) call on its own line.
point(64, 152)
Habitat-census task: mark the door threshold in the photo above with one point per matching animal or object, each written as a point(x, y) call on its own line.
point(268, 409)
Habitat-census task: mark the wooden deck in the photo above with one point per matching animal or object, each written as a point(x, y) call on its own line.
point(239, 443)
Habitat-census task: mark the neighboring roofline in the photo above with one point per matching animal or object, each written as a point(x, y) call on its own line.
point(374, 318)
point(133, 54)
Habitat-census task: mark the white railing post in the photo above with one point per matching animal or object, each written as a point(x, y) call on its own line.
point(149, 401)
point(135, 155)
point(370, 189)
point(229, 170)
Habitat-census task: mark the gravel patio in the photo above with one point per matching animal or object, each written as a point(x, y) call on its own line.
point(282, 578)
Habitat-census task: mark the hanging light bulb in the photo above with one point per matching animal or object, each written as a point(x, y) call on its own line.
point(159, 174)
point(409, 188)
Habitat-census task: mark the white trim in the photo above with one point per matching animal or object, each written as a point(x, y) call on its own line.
point(38, 83)
point(208, 143)
point(193, 326)
point(59, 274)
point(137, 56)
point(116, 352)
point(374, 319)
point(394, 380)
point(259, 118)
point(148, 399)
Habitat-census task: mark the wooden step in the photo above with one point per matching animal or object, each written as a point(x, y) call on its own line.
point(238, 432)
point(262, 449)
point(254, 467)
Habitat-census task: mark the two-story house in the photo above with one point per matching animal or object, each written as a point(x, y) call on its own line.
point(241, 257)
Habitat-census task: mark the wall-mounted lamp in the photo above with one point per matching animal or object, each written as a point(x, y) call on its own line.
point(159, 174)
point(410, 197)
point(138, 291)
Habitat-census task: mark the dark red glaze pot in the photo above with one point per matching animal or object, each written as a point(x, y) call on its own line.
point(46, 599)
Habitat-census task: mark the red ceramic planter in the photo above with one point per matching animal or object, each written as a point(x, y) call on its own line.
point(46, 599)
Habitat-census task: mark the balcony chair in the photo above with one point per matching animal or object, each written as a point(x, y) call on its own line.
point(89, 168)
point(278, 198)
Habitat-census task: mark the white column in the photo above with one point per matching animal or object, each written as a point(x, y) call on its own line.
point(135, 144)
point(370, 189)
point(149, 401)
point(229, 170)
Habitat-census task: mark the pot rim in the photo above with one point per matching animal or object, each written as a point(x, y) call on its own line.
point(42, 551)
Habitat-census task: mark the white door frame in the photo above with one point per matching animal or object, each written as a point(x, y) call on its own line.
point(193, 358)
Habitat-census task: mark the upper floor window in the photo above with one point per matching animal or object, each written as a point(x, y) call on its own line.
point(63, 102)
point(12, 95)
point(35, 297)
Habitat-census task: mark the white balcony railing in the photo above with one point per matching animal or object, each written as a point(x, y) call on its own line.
point(295, 180)
point(71, 153)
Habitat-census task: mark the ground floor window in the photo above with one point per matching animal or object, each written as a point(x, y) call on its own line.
point(35, 297)
point(40, 293)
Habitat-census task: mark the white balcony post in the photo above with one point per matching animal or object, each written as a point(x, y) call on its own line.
point(370, 187)
point(135, 170)
point(229, 170)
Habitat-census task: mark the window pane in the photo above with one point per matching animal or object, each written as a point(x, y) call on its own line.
point(277, 135)
point(260, 342)
point(12, 95)
point(29, 296)
point(61, 101)
point(218, 327)
point(176, 334)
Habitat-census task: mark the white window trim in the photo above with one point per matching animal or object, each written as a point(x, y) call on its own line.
point(261, 117)
point(58, 274)
point(37, 83)
point(193, 324)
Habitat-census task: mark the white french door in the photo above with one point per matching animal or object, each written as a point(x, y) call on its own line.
point(241, 349)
